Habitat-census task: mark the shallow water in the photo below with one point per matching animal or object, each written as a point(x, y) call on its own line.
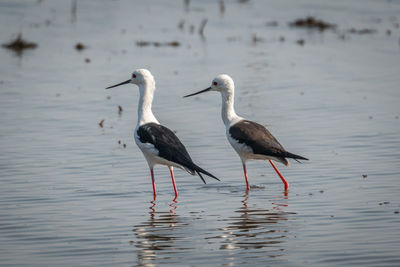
point(71, 195)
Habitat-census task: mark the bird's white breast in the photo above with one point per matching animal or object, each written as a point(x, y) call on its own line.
point(148, 150)
point(242, 149)
point(152, 154)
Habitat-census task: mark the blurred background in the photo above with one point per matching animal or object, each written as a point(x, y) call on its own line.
point(322, 76)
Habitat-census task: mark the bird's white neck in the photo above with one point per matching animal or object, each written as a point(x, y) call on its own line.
point(145, 114)
point(229, 116)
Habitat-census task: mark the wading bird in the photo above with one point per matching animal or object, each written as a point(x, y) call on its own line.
point(158, 143)
point(250, 139)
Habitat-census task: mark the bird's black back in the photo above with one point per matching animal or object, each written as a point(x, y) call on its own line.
point(259, 139)
point(169, 146)
point(165, 141)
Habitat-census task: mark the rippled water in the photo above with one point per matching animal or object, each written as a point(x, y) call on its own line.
point(71, 195)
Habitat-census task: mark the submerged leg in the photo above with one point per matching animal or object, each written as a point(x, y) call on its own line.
point(280, 175)
point(245, 176)
point(154, 183)
point(171, 169)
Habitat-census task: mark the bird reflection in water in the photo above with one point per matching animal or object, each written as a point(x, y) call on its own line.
point(159, 234)
point(258, 229)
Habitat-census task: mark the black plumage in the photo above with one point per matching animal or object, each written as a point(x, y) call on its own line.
point(260, 140)
point(169, 147)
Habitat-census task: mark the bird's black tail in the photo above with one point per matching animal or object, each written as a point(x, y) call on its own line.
point(199, 170)
point(294, 156)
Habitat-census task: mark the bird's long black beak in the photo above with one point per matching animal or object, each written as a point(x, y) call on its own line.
point(128, 81)
point(202, 91)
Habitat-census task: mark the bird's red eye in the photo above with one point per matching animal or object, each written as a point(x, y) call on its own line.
point(134, 75)
point(215, 83)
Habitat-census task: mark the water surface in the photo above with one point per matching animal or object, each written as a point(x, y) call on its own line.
point(71, 194)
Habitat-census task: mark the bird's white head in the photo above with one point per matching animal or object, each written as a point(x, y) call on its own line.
point(142, 76)
point(139, 77)
point(222, 83)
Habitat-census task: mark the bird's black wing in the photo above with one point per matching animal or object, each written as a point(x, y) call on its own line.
point(259, 139)
point(165, 141)
point(168, 145)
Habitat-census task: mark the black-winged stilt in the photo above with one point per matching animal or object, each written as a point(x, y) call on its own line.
point(250, 139)
point(158, 143)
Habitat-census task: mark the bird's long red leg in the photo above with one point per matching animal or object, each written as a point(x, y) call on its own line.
point(245, 176)
point(171, 169)
point(280, 175)
point(154, 184)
